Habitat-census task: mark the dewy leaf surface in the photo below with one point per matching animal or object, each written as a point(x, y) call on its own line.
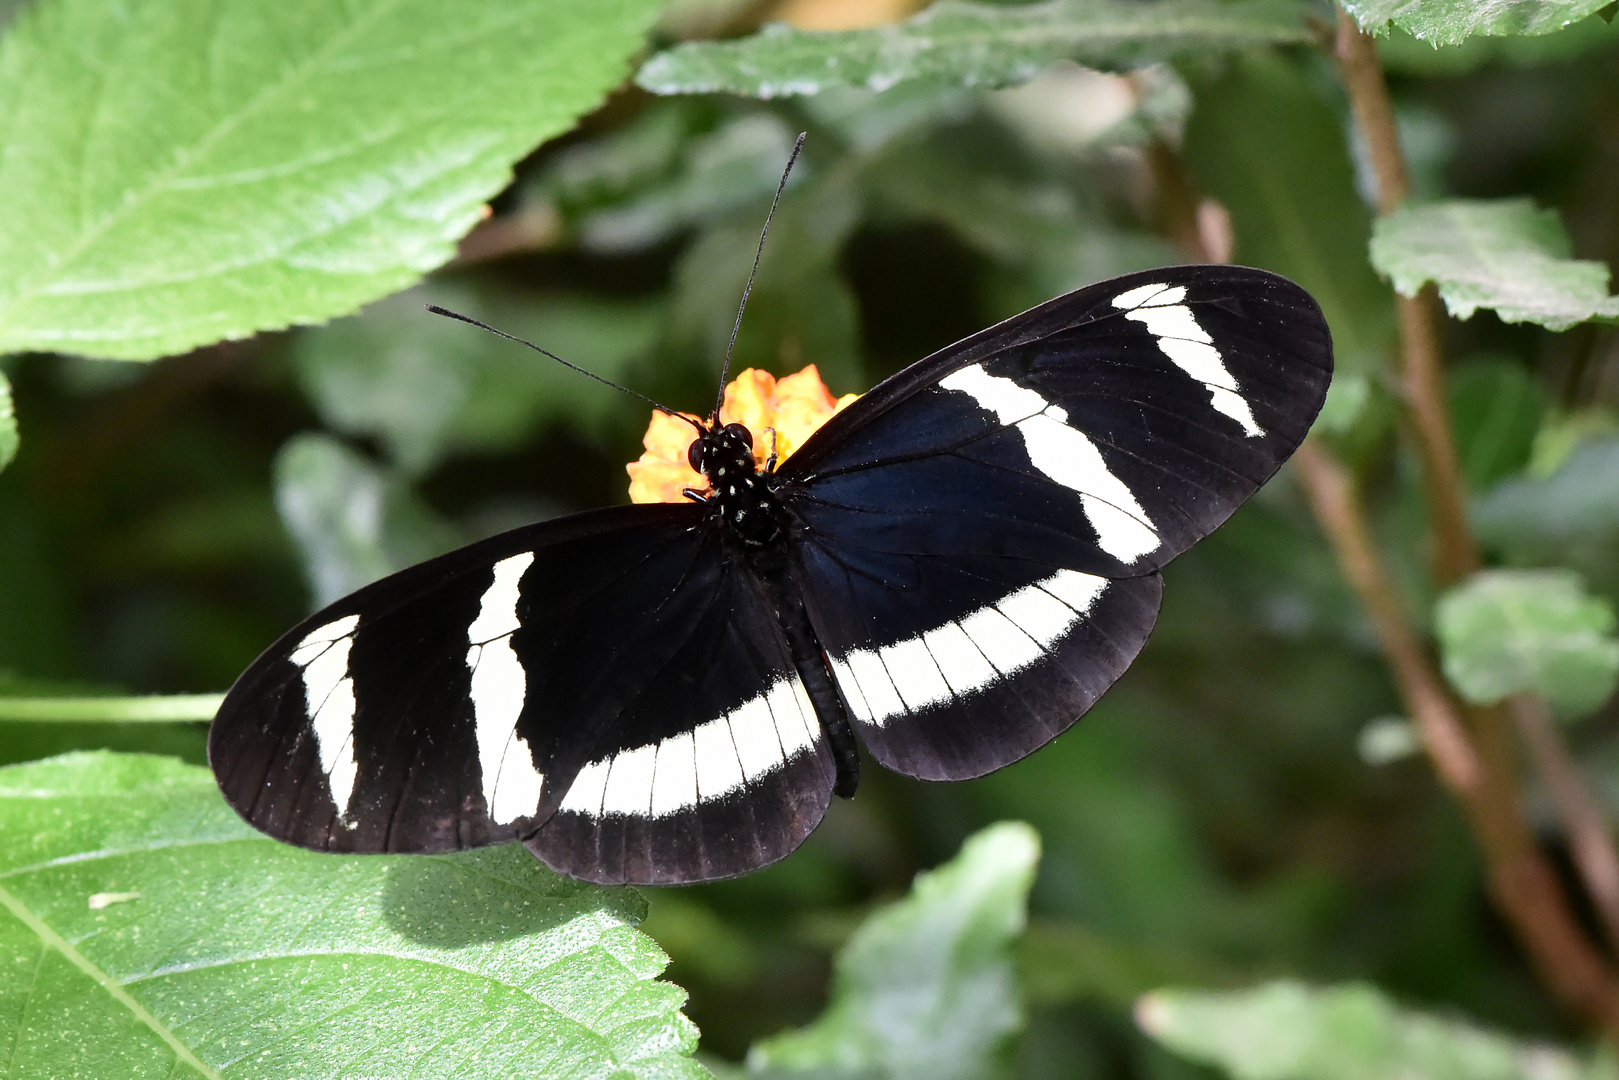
point(925, 987)
point(971, 45)
point(1449, 22)
point(146, 931)
point(1288, 1031)
point(1506, 254)
point(1505, 631)
point(177, 172)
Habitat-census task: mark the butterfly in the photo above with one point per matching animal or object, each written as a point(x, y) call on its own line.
point(950, 571)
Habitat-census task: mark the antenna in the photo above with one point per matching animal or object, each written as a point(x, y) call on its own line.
point(747, 290)
point(448, 314)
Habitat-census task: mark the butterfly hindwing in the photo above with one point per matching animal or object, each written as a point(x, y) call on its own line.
point(464, 701)
point(978, 538)
point(713, 764)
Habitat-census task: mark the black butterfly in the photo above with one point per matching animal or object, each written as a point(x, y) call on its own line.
point(955, 567)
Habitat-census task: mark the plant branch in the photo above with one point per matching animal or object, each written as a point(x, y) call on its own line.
point(1522, 883)
point(1421, 369)
point(1589, 842)
point(1455, 555)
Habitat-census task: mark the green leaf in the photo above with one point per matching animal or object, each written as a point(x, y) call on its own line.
point(352, 521)
point(1287, 1031)
point(146, 931)
point(925, 987)
point(427, 386)
point(1579, 501)
point(736, 165)
point(1449, 22)
point(1264, 143)
point(1495, 410)
point(1504, 254)
point(8, 423)
point(1569, 518)
point(1506, 631)
point(182, 171)
point(1563, 433)
point(1405, 55)
point(971, 44)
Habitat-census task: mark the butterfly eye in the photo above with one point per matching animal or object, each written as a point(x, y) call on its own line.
point(741, 434)
point(694, 455)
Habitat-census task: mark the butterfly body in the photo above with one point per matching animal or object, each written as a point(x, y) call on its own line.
point(953, 569)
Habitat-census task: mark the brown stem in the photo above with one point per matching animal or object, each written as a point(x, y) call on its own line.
point(1524, 887)
point(1422, 371)
point(1361, 70)
point(1454, 554)
point(1589, 842)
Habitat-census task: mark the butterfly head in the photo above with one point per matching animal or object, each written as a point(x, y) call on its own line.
point(739, 493)
point(721, 449)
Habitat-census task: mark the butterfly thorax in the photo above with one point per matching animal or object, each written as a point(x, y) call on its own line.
point(739, 494)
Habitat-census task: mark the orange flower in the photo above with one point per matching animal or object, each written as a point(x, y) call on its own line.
point(792, 408)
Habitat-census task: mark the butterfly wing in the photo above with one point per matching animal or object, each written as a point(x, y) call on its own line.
point(978, 538)
point(611, 688)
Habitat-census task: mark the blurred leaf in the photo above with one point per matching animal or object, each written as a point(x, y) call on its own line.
point(1070, 110)
point(1448, 22)
point(867, 121)
point(157, 934)
point(1287, 1031)
point(427, 386)
point(148, 708)
point(737, 164)
point(1039, 233)
point(999, 214)
point(1495, 410)
point(618, 161)
point(970, 44)
point(1570, 517)
point(1064, 962)
point(8, 424)
point(1388, 739)
point(1264, 143)
point(1559, 436)
point(801, 311)
point(924, 989)
point(178, 172)
point(1503, 254)
point(353, 522)
point(1346, 402)
point(1503, 632)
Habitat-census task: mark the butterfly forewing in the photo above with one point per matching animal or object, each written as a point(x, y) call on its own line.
point(979, 536)
point(1137, 413)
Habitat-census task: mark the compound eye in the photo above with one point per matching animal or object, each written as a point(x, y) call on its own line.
point(694, 454)
point(740, 433)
